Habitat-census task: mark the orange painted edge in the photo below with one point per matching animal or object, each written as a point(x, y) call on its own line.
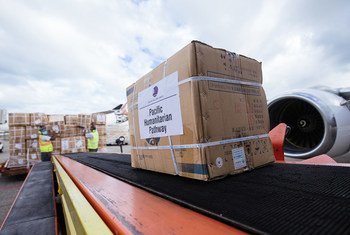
point(118, 227)
point(115, 227)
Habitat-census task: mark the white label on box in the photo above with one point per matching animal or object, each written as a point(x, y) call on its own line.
point(37, 122)
point(238, 157)
point(65, 144)
point(101, 118)
point(34, 136)
point(56, 128)
point(78, 143)
point(33, 156)
point(159, 109)
point(20, 161)
point(18, 146)
point(35, 144)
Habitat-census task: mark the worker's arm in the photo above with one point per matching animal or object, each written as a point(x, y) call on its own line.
point(45, 137)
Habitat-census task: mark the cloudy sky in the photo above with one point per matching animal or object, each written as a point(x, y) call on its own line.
point(78, 56)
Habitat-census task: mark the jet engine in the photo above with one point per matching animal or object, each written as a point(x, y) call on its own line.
point(319, 121)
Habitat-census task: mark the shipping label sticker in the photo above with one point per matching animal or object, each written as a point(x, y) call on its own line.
point(18, 146)
point(34, 136)
point(35, 144)
point(159, 109)
point(65, 144)
point(238, 157)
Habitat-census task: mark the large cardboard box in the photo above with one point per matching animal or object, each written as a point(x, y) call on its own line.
point(68, 131)
point(56, 146)
point(33, 150)
point(56, 118)
point(19, 119)
point(201, 114)
point(73, 144)
point(38, 119)
point(31, 132)
point(71, 119)
point(101, 129)
point(17, 147)
point(84, 120)
point(99, 118)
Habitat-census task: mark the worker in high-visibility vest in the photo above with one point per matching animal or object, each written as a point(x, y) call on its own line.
point(45, 144)
point(92, 138)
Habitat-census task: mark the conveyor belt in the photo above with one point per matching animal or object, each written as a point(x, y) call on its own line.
point(33, 212)
point(276, 199)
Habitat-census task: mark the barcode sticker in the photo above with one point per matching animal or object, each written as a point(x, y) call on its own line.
point(238, 157)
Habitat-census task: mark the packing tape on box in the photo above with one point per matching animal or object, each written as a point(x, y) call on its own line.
point(222, 80)
point(200, 78)
point(202, 145)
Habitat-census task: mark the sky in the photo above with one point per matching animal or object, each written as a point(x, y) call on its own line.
point(79, 56)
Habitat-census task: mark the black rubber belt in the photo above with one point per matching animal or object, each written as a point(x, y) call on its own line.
point(33, 211)
point(275, 199)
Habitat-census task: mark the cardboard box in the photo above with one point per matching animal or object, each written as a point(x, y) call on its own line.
point(56, 146)
point(99, 118)
point(33, 150)
point(101, 129)
point(73, 144)
point(19, 119)
point(56, 118)
point(17, 147)
point(38, 119)
point(71, 119)
point(102, 141)
point(31, 132)
point(68, 131)
point(202, 114)
point(84, 120)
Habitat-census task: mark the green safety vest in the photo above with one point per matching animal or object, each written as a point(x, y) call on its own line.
point(93, 143)
point(45, 146)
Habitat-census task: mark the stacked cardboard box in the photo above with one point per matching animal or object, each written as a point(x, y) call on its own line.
point(68, 131)
point(201, 114)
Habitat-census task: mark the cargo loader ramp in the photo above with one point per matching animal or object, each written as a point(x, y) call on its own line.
point(34, 210)
point(276, 199)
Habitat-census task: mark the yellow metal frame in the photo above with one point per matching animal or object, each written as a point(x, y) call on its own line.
point(79, 215)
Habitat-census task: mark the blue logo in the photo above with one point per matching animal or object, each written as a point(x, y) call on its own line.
point(155, 91)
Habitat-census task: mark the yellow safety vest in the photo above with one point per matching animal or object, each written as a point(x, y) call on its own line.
point(93, 143)
point(45, 146)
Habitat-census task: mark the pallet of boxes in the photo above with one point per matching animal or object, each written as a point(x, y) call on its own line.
point(201, 114)
point(68, 131)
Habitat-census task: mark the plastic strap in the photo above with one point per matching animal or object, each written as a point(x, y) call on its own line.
point(133, 122)
point(223, 80)
point(169, 137)
point(204, 145)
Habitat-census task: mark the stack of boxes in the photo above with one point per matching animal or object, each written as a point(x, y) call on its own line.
point(67, 129)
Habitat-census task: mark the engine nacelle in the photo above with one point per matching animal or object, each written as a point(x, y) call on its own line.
point(319, 120)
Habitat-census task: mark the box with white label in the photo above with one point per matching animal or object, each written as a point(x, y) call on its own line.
point(73, 144)
point(201, 114)
point(38, 119)
point(99, 118)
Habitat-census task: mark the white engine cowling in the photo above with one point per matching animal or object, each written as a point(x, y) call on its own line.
point(319, 121)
